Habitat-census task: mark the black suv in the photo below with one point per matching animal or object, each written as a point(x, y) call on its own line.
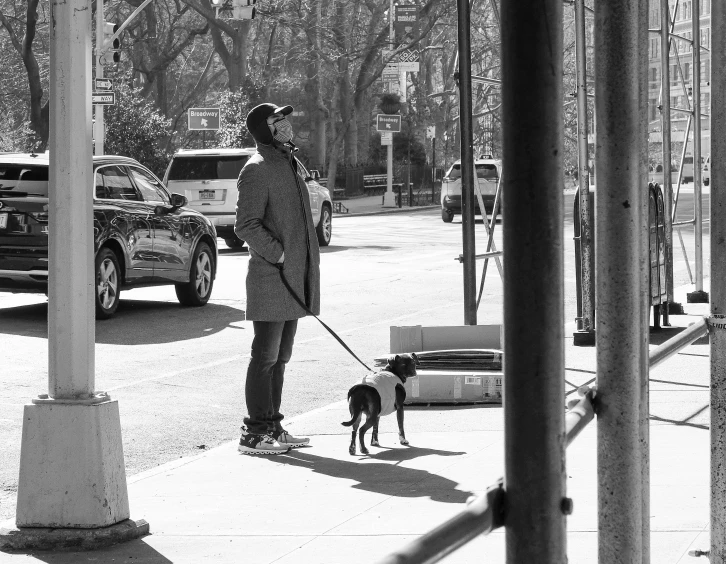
point(143, 235)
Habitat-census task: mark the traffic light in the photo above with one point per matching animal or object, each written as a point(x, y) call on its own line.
point(243, 9)
point(112, 49)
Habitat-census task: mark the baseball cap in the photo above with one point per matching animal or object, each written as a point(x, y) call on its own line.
point(257, 120)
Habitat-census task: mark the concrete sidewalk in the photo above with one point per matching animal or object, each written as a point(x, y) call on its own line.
point(370, 205)
point(319, 505)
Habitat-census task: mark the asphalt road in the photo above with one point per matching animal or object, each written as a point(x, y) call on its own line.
point(178, 373)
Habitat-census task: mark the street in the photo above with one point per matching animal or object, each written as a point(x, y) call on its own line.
point(178, 373)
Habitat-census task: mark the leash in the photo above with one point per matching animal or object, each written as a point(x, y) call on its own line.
point(307, 309)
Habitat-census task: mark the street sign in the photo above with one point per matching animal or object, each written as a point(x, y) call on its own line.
point(386, 138)
point(102, 84)
point(405, 22)
point(104, 98)
point(390, 72)
point(203, 119)
point(387, 122)
point(407, 60)
point(431, 132)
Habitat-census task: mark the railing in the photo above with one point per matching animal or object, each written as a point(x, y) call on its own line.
point(485, 513)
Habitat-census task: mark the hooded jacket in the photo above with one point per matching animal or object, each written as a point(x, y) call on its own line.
point(273, 216)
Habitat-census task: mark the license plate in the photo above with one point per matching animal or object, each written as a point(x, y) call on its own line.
point(206, 194)
point(3, 221)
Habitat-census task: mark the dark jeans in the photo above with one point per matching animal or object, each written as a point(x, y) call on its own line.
point(271, 350)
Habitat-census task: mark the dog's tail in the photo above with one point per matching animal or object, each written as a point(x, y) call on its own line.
point(355, 411)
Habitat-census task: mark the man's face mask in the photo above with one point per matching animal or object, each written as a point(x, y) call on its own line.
point(282, 130)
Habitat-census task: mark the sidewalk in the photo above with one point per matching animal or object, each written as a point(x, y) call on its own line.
point(369, 205)
point(320, 505)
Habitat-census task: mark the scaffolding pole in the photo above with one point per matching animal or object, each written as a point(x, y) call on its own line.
point(533, 281)
point(717, 324)
point(621, 51)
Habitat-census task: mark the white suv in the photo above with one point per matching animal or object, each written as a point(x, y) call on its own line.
point(208, 178)
point(487, 177)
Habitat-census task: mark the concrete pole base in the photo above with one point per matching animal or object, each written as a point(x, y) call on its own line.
point(697, 297)
point(72, 472)
point(584, 338)
point(389, 200)
point(22, 539)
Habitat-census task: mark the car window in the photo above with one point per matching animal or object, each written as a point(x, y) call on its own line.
point(301, 169)
point(206, 167)
point(487, 171)
point(116, 184)
point(25, 178)
point(150, 187)
point(455, 172)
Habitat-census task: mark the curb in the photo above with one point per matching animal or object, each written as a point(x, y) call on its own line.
point(386, 211)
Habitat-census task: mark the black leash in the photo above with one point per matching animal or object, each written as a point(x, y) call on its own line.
point(307, 309)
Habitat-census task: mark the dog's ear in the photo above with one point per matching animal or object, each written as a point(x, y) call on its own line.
point(397, 359)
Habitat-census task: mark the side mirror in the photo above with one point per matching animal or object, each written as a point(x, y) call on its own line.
point(178, 201)
point(315, 175)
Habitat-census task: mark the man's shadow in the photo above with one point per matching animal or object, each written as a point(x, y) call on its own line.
point(384, 477)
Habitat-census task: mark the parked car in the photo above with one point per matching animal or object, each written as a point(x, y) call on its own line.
point(142, 234)
point(487, 175)
point(208, 178)
point(706, 174)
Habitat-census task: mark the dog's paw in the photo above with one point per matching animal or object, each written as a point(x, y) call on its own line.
point(364, 450)
point(374, 442)
point(403, 440)
point(351, 450)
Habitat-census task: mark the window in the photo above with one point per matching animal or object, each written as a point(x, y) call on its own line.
point(487, 172)
point(24, 178)
point(687, 71)
point(206, 167)
point(113, 183)
point(150, 187)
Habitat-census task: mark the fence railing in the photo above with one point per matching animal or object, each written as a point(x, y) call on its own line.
point(485, 513)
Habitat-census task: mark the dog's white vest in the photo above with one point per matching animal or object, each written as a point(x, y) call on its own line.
point(384, 383)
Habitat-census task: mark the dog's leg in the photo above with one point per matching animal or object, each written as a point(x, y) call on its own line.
point(400, 398)
point(361, 434)
point(374, 434)
point(351, 448)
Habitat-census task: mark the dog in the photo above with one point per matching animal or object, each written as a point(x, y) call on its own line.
point(380, 394)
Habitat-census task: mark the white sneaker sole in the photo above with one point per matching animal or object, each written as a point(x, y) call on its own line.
point(299, 445)
point(248, 450)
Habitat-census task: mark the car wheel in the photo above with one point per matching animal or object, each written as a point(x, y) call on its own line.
point(234, 243)
point(447, 216)
point(108, 283)
point(197, 291)
point(325, 227)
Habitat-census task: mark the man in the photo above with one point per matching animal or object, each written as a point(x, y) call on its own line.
point(274, 218)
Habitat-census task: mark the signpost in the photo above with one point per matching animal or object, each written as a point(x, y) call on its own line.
point(204, 119)
point(389, 123)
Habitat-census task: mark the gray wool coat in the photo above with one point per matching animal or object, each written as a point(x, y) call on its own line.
point(273, 215)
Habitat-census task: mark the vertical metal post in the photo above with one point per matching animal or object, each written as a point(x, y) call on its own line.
point(389, 199)
point(699, 296)
point(467, 162)
point(533, 281)
point(585, 335)
point(99, 132)
point(71, 323)
point(622, 285)
point(665, 126)
point(433, 168)
point(717, 325)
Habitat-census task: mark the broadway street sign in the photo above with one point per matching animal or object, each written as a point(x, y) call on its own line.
point(387, 122)
point(203, 118)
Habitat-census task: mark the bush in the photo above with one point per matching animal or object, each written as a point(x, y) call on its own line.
point(136, 129)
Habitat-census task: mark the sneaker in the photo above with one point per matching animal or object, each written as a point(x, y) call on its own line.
point(285, 438)
point(255, 443)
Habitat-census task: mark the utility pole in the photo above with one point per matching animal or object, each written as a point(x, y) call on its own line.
point(389, 199)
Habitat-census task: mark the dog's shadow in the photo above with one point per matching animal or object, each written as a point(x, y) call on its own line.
point(384, 477)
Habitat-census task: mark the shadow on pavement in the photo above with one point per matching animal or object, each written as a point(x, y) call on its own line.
point(384, 478)
point(338, 248)
point(137, 322)
point(136, 551)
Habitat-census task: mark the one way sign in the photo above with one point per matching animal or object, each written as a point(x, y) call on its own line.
point(387, 122)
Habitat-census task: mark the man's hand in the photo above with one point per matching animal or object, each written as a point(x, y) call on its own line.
point(282, 258)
